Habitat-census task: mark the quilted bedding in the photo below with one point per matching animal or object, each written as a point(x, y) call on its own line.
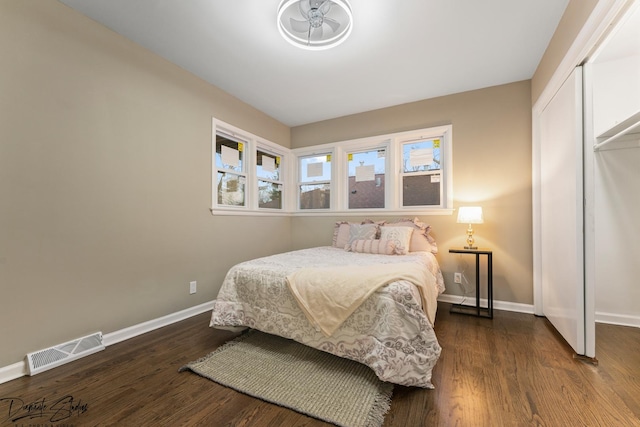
point(390, 332)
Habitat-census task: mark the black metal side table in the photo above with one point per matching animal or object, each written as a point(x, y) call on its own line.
point(477, 310)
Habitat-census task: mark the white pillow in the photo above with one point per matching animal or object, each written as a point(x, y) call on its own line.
point(400, 236)
point(421, 239)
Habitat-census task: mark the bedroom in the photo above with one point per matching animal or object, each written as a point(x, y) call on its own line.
point(116, 231)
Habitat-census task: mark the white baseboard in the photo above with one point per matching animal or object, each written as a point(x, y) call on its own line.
point(19, 369)
point(142, 328)
point(601, 317)
point(497, 305)
point(618, 319)
point(11, 372)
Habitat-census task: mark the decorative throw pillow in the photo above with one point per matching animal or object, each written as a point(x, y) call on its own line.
point(372, 246)
point(421, 239)
point(341, 234)
point(362, 232)
point(400, 236)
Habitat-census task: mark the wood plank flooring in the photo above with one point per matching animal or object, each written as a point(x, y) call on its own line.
point(513, 370)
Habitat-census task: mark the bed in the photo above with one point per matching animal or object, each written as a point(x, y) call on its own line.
point(390, 329)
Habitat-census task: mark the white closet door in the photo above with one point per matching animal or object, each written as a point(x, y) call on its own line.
point(561, 212)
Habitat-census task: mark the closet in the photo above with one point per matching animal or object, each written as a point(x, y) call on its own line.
point(612, 172)
point(586, 180)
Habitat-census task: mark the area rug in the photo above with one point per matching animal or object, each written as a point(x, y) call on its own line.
point(292, 375)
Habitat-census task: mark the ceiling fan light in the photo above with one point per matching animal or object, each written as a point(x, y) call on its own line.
point(327, 26)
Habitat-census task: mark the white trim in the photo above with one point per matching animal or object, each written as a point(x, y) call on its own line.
point(618, 319)
point(19, 369)
point(251, 145)
point(600, 317)
point(379, 212)
point(12, 372)
point(497, 305)
point(393, 143)
point(589, 248)
point(144, 327)
point(262, 212)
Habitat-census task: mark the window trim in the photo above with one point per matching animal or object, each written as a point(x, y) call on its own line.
point(446, 165)
point(393, 181)
point(252, 143)
point(370, 144)
point(242, 173)
point(272, 149)
point(291, 174)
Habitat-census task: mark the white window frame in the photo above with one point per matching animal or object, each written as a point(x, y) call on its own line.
point(271, 148)
point(327, 150)
point(360, 146)
point(241, 139)
point(290, 178)
point(393, 173)
point(252, 144)
point(446, 182)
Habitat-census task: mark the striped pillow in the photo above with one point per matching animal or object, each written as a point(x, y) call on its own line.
point(372, 246)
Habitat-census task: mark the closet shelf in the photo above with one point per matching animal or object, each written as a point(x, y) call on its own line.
point(626, 134)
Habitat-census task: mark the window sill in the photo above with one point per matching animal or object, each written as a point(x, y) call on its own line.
point(323, 213)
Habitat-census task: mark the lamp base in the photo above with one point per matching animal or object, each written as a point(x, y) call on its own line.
point(470, 239)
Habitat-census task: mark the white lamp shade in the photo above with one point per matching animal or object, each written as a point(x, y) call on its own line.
point(470, 215)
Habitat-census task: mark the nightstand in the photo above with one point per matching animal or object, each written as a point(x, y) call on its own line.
point(477, 310)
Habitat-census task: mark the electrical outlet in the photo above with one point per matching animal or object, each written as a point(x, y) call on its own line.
point(457, 277)
point(193, 286)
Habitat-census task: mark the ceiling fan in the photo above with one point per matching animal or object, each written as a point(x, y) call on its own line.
point(315, 24)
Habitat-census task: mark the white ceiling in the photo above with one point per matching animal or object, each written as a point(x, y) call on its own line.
point(400, 50)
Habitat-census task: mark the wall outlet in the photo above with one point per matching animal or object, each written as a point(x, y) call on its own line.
point(457, 277)
point(193, 287)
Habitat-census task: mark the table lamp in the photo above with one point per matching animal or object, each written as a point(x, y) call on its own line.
point(470, 215)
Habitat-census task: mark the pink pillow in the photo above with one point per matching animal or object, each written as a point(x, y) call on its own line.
point(341, 234)
point(372, 246)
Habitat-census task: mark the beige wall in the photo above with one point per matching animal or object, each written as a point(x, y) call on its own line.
point(105, 187)
point(105, 163)
point(572, 21)
point(492, 168)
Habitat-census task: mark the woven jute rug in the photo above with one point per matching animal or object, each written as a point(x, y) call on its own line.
point(292, 375)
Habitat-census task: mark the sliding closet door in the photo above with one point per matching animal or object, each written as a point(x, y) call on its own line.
point(561, 212)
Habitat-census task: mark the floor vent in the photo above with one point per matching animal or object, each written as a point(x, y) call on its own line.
point(48, 358)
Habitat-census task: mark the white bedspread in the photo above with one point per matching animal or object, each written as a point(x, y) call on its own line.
point(329, 295)
point(389, 331)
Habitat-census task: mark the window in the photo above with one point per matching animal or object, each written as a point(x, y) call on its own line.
point(248, 173)
point(421, 172)
point(230, 166)
point(269, 175)
point(366, 179)
point(314, 184)
point(400, 173)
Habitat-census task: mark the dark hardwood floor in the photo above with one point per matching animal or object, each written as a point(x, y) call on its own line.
point(513, 370)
